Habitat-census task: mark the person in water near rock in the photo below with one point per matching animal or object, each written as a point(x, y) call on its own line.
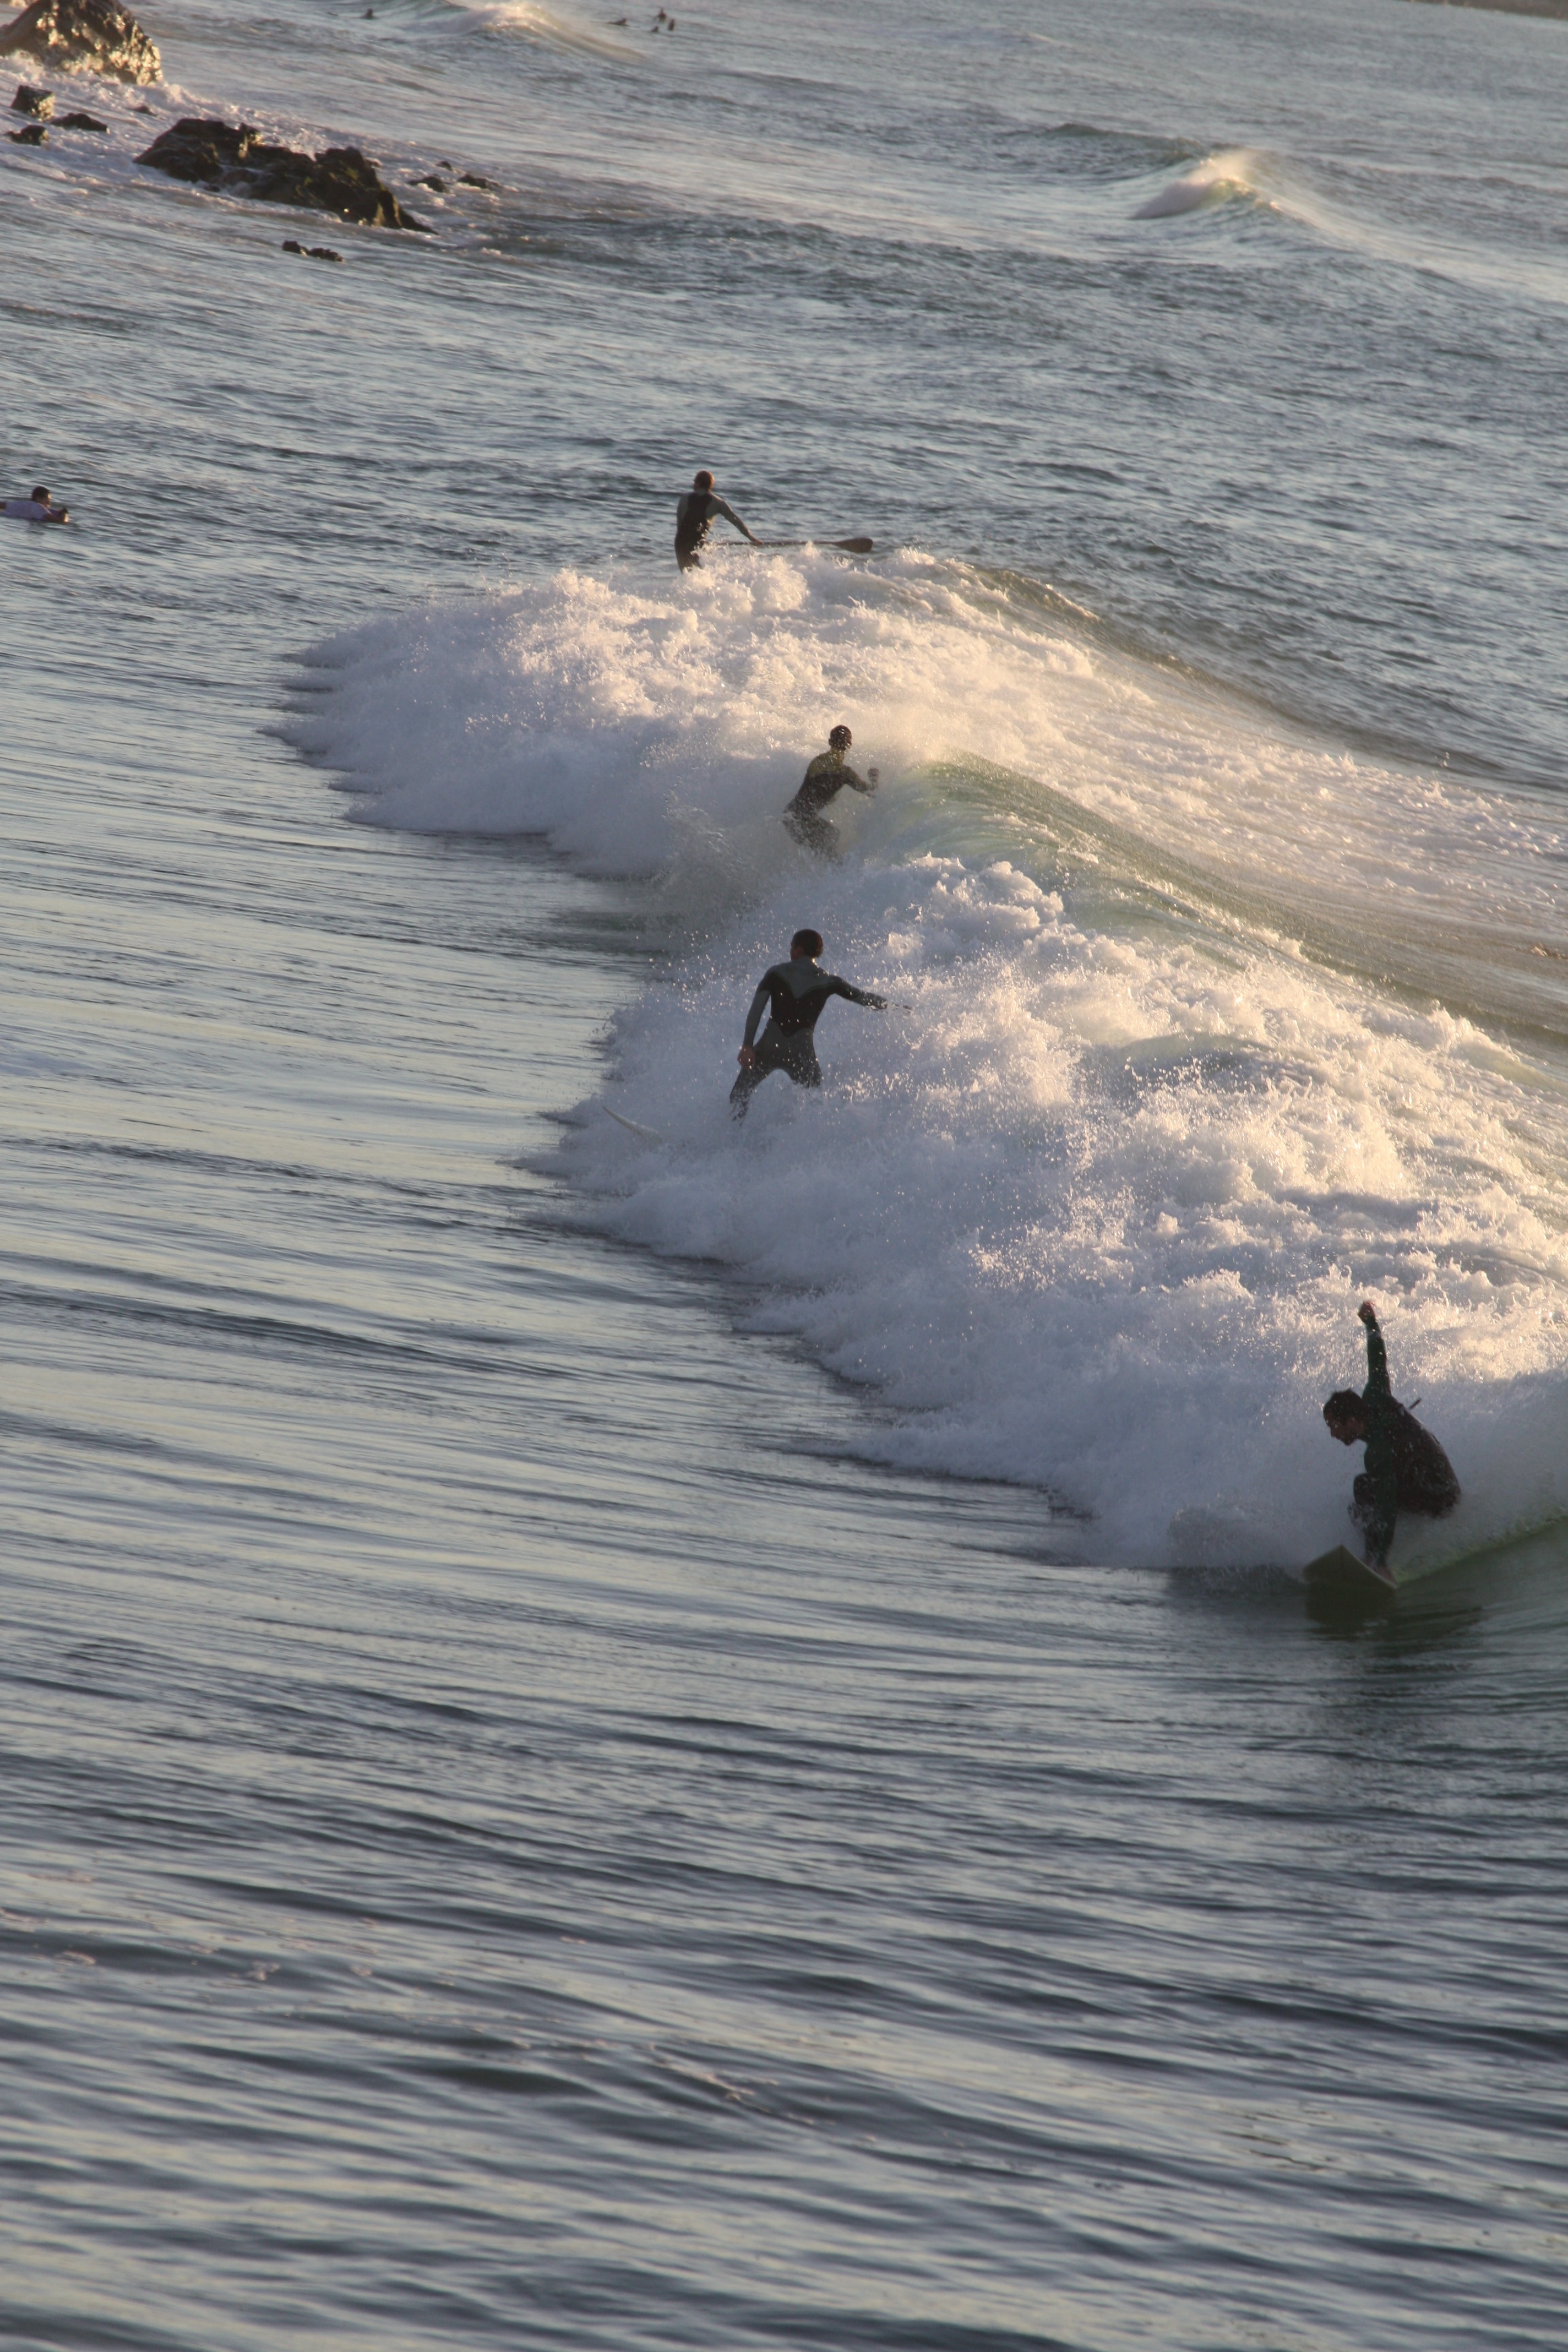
point(39, 507)
point(1406, 1469)
point(794, 993)
point(825, 779)
point(694, 517)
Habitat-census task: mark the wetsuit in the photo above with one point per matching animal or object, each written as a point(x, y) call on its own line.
point(1406, 1469)
point(32, 510)
point(794, 993)
point(824, 779)
point(694, 518)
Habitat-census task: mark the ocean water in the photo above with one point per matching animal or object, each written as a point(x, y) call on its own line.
point(711, 1737)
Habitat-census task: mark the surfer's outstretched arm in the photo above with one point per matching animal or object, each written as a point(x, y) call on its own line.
point(836, 987)
point(718, 506)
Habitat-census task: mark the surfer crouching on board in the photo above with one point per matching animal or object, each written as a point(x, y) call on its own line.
point(1406, 1469)
point(794, 993)
point(694, 517)
point(824, 779)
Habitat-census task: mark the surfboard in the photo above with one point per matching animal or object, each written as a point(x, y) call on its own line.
point(1342, 1571)
point(644, 1134)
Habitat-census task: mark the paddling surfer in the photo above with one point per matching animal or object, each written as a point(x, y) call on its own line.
point(794, 994)
point(695, 514)
point(1406, 1469)
point(824, 781)
point(39, 507)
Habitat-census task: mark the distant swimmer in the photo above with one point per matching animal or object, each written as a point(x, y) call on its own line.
point(794, 993)
point(1406, 1469)
point(824, 780)
point(695, 515)
point(39, 507)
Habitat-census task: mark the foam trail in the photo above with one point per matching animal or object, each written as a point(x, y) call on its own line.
point(1095, 1215)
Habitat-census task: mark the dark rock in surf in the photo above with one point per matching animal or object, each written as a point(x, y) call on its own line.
point(310, 252)
point(38, 103)
point(235, 157)
point(35, 135)
point(472, 180)
point(431, 180)
point(93, 36)
point(79, 122)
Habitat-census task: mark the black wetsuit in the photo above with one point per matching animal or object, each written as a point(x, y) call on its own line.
point(1406, 1469)
point(694, 517)
point(794, 993)
point(824, 779)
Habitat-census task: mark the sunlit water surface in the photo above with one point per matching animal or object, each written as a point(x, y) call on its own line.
point(715, 1744)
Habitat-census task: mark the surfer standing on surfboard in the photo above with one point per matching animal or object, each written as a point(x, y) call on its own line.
point(794, 993)
point(695, 514)
point(824, 779)
point(1406, 1469)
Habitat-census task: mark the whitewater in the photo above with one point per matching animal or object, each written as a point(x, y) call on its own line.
point(1163, 1094)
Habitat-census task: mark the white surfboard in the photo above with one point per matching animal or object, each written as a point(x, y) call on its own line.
point(644, 1134)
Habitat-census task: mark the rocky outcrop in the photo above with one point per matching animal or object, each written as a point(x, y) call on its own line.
point(83, 35)
point(38, 103)
point(35, 135)
point(82, 123)
point(237, 158)
point(310, 252)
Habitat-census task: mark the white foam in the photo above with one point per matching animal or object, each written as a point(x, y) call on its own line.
point(1217, 180)
point(1096, 1213)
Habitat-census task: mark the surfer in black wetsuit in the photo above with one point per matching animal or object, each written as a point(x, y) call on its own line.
point(824, 781)
point(1406, 1469)
point(794, 993)
point(694, 517)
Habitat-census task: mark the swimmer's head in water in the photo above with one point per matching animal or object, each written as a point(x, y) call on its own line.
point(40, 494)
point(1346, 1416)
point(806, 943)
point(840, 739)
point(703, 481)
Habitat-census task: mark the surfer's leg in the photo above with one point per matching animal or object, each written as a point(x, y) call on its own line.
point(811, 832)
point(772, 1054)
point(799, 1059)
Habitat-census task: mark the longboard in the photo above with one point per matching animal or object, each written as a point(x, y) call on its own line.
point(1342, 1571)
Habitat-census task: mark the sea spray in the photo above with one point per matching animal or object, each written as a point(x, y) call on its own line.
point(1094, 1212)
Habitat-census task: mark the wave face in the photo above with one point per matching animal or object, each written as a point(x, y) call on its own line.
point(1091, 1208)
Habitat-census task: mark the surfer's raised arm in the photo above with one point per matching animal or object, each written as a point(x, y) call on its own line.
point(1406, 1469)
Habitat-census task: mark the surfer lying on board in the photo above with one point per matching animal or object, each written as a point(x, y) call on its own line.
point(694, 516)
point(795, 995)
point(39, 507)
point(824, 781)
point(1406, 1469)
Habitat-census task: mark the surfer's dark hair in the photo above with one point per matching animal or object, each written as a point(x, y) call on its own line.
point(40, 495)
point(810, 940)
point(703, 481)
point(1345, 1404)
point(841, 739)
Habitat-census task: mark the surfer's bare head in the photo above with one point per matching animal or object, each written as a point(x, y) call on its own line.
point(40, 496)
point(703, 481)
point(840, 739)
point(1346, 1416)
point(806, 943)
